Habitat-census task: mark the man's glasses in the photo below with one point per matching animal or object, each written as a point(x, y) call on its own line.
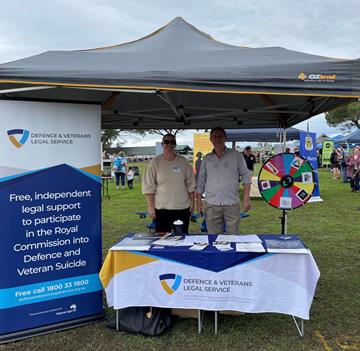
point(167, 142)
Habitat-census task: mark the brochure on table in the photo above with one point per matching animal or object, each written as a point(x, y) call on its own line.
point(285, 246)
point(223, 242)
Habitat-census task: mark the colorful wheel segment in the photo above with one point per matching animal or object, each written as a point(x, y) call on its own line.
point(286, 181)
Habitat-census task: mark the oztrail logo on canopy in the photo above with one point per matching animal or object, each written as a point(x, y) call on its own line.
point(170, 282)
point(317, 77)
point(18, 137)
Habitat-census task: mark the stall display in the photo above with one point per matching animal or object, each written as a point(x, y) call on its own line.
point(286, 181)
point(205, 272)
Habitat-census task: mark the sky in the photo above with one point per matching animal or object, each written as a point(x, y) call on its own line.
point(320, 27)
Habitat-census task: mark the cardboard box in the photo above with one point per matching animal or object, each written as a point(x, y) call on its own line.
point(185, 313)
point(232, 313)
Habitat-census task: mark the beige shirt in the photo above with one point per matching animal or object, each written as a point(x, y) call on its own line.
point(219, 177)
point(170, 182)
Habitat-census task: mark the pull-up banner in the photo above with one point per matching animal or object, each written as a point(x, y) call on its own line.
point(50, 215)
point(327, 149)
point(202, 146)
point(308, 151)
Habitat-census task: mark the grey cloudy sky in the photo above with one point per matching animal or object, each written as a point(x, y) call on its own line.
point(321, 27)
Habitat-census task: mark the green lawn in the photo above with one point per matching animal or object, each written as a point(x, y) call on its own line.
point(331, 229)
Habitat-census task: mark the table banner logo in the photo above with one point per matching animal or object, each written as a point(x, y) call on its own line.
point(170, 278)
point(18, 137)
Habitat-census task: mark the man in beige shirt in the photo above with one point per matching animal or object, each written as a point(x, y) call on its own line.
point(219, 177)
point(169, 185)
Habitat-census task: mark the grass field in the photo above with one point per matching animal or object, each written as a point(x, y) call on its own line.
point(330, 228)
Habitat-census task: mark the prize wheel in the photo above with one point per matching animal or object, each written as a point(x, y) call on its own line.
point(286, 181)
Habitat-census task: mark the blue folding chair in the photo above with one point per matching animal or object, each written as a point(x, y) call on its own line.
point(244, 215)
point(203, 226)
point(152, 225)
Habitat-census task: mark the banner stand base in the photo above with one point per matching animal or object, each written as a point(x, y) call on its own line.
point(29, 333)
point(315, 199)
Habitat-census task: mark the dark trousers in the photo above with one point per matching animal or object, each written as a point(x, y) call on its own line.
point(354, 183)
point(166, 218)
point(343, 170)
point(119, 175)
point(130, 183)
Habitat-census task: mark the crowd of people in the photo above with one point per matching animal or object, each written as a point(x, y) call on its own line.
point(346, 167)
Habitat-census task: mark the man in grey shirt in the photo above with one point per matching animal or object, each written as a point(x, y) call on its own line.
point(219, 178)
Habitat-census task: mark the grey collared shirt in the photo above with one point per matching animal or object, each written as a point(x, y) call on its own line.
point(219, 177)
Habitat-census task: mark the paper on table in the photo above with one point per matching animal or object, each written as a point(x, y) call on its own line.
point(239, 238)
point(144, 236)
point(222, 245)
point(249, 247)
point(130, 244)
point(198, 246)
point(203, 239)
point(169, 241)
point(184, 243)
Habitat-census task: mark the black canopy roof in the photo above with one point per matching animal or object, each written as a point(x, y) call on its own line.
point(180, 77)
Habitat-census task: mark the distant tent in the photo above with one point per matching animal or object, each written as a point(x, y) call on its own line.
point(352, 138)
point(261, 134)
point(322, 137)
point(337, 138)
point(145, 150)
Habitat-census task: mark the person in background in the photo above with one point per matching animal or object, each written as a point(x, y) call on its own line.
point(199, 156)
point(169, 185)
point(318, 157)
point(296, 151)
point(287, 150)
point(335, 164)
point(130, 178)
point(343, 167)
point(120, 169)
point(219, 177)
point(250, 158)
point(353, 169)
